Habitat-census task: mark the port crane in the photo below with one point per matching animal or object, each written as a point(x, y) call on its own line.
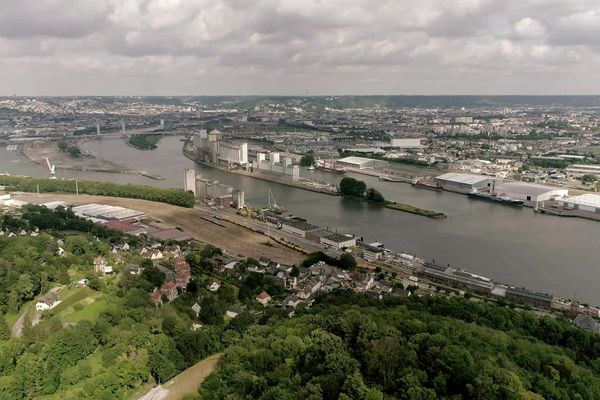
point(51, 168)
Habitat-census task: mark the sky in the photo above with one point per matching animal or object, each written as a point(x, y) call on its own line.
point(298, 47)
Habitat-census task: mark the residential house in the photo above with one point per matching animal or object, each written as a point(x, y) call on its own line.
point(47, 302)
point(292, 301)
point(233, 312)
point(309, 289)
point(99, 265)
point(263, 298)
point(183, 272)
point(169, 290)
point(362, 282)
point(156, 297)
point(213, 285)
point(132, 269)
point(196, 308)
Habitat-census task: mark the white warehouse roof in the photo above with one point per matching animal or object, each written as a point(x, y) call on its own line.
point(356, 160)
point(468, 179)
point(528, 188)
point(587, 199)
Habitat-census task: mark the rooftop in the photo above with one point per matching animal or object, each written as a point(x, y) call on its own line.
point(526, 188)
point(302, 225)
point(463, 178)
point(587, 199)
point(356, 160)
point(338, 238)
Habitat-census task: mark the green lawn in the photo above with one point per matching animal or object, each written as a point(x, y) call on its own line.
point(89, 312)
point(70, 296)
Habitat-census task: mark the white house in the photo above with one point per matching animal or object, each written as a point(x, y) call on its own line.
point(47, 302)
point(213, 285)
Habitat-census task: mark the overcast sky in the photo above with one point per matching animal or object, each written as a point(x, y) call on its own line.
point(207, 47)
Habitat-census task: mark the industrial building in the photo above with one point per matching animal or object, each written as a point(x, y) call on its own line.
point(273, 162)
point(356, 162)
point(530, 192)
point(372, 253)
point(578, 170)
point(585, 202)
point(297, 227)
point(466, 183)
point(212, 148)
point(338, 241)
point(189, 180)
point(406, 143)
point(527, 297)
point(102, 213)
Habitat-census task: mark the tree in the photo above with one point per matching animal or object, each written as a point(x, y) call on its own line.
point(74, 151)
point(241, 322)
point(347, 261)
point(4, 329)
point(308, 159)
point(352, 187)
point(589, 178)
point(62, 145)
point(154, 275)
point(212, 311)
point(374, 196)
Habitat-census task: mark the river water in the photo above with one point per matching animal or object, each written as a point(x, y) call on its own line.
point(511, 245)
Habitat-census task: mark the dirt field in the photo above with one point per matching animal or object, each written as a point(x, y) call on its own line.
point(38, 151)
point(186, 382)
point(232, 238)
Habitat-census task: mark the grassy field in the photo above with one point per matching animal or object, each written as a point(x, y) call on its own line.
point(78, 304)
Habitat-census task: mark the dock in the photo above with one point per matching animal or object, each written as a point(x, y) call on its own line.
point(280, 179)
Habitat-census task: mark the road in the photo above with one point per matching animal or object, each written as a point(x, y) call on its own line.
point(186, 382)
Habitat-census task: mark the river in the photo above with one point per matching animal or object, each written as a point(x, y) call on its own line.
point(511, 245)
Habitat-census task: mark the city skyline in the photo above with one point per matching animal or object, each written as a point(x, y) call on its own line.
point(296, 48)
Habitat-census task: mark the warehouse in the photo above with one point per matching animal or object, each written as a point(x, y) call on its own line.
point(465, 183)
point(338, 241)
point(297, 227)
point(356, 162)
point(103, 212)
point(585, 202)
point(530, 192)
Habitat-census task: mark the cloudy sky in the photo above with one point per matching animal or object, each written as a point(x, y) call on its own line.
point(206, 47)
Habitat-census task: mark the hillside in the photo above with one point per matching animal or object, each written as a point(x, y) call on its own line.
point(109, 338)
point(406, 350)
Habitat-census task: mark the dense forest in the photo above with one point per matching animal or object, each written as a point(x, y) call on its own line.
point(352, 347)
point(171, 196)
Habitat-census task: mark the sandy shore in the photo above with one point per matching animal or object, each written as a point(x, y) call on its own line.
point(87, 161)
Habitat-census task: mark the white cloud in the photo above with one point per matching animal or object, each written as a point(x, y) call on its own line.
point(529, 28)
point(279, 46)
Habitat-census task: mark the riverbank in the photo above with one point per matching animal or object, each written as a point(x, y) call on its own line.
point(280, 179)
point(38, 151)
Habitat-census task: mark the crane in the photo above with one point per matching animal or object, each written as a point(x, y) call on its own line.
point(51, 169)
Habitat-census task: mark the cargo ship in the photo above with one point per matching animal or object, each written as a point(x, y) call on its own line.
point(427, 184)
point(330, 167)
point(498, 199)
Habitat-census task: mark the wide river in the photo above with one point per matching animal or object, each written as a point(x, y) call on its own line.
point(515, 246)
